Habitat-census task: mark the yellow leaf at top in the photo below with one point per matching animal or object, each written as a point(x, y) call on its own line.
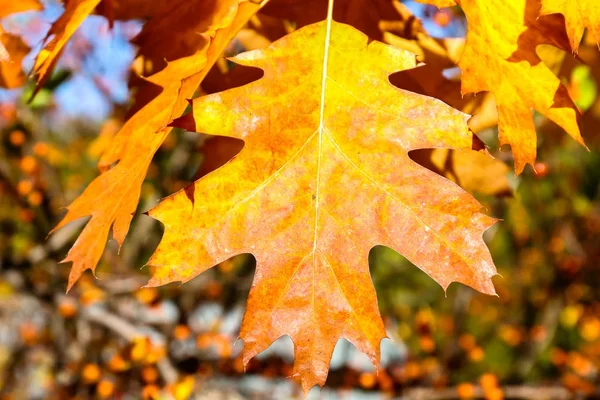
point(62, 29)
point(579, 14)
point(500, 57)
point(324, 176)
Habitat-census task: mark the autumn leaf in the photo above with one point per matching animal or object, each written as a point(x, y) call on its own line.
point(11, 71)
point(59, 34)
point(12, 47)
point(500, 57)
point(323, 177)
point(8, 7)
point(579, 14)
point(112, 198)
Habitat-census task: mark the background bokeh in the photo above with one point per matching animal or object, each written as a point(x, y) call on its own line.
point(540, 338)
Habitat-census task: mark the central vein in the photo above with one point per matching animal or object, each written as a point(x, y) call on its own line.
point(321, 121)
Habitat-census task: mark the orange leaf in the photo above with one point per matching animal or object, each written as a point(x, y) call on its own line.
point(12, 48)
point(500, 57)
point(112, 198)
point(579, 14)
point(11, 71)
point(62, 29)
point(323, 177)
point(8, 7)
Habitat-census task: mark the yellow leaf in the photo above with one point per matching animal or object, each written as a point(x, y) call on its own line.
point(500, 57)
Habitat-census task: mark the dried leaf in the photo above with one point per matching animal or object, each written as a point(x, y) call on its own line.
point(323, 177)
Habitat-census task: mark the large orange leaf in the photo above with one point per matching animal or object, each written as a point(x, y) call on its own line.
point(323, 177)
point(500, 57)
point(579, 14)
point(76, 11)
point(112, 198)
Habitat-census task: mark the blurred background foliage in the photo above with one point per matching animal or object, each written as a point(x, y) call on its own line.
point(540, 338)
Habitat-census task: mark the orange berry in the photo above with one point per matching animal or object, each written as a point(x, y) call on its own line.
point(28, 164)
point(41, 149)
point(150, 374)
point(26, 215)
point(476, 354)
point(223, 345)
point(16, 138)
point(214, 289)
point(140, 349)
point(150, 392)
point(385, 381)
point(90, 373)
point(488, 381)
point(35, 198)
point(538, 333)
point(466, 341)
point(541, 170)
point(465, 391)
point(367, 380)
point(67, 307)
point(24, 187)
point(91, 295)
point(558, 357)
point(494, 394)
point(29, 333)
point(146, 295)
point(427, 344)
point(182, 332)
point(155, 354)
point(118, 364)
point(203, 341)
point(105, 388)
point(412, 370)
point(442, 18)
point(8, 113)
